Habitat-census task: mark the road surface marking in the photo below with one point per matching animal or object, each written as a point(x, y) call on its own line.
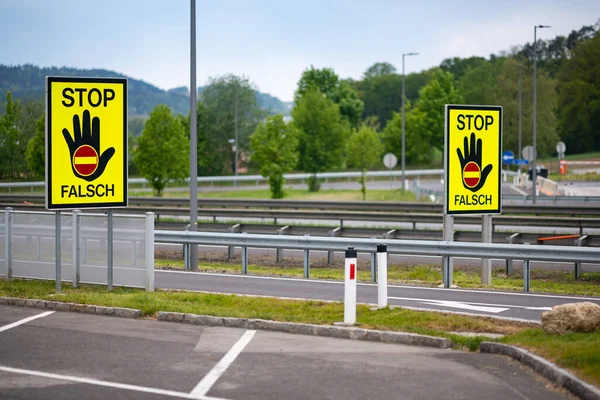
point(211, 378)
point(470, 303)
point(115, 385)
point(463, 306)
point(25, 320)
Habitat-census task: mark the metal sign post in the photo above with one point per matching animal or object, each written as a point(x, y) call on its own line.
point(86, 151)
point(473, 171)
point(58, 252)
point(390, 161)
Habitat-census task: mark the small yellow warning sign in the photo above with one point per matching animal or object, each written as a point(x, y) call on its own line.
point(472, 159)
point(86, 142)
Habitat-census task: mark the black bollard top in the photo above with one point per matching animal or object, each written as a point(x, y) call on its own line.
point(351, 253)
point(382, 248)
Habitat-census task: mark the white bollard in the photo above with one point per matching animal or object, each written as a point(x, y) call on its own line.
point(350, 287)
point(382, 260)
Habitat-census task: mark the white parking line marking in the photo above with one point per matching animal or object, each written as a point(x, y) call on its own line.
point(114, 385)
point(443, 302)
point(25, 320)
point(211, 378)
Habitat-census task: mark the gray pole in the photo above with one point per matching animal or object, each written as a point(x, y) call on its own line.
point(193, 139)
point(534, 174)
point(520, 117)
point(403, 134)
point(57, 260)
point(109, 245)
point(236, 131)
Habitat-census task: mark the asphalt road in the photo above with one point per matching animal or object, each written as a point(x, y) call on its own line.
point(501, 304)
point(78, 356)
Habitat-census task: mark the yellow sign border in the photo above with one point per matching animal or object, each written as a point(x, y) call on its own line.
point(488, 211)
point(75, 205)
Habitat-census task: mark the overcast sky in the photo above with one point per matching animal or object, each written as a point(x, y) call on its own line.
point(271, 42)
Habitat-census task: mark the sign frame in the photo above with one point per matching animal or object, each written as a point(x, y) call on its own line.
point(448, 108)
point(50, 205)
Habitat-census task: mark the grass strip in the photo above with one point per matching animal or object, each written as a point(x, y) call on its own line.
point(579, 353)
point(542, 280)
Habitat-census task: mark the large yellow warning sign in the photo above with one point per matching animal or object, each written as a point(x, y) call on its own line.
point(86, 142)
point(472, 159)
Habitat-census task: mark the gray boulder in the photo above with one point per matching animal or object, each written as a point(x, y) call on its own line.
point(572, 317)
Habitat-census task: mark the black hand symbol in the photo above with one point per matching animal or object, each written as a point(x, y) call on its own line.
point(84, 136)
point(473, 156)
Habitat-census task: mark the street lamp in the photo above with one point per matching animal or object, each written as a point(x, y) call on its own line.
point(403, 122)
point(193, 255)
point(534, 173)
point(233, 144)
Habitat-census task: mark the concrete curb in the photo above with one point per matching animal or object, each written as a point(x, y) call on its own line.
point(82, 308)
point(308, 329)
point(546, 368)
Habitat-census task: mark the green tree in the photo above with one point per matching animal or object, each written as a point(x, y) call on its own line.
point(163, 150)
point(417, 146)
point(322, 134)
point(216, 122)
point(36, 149)
point(274, 149)
point(135, 125)
point(432, 98)
point(13, 162)
point(327, 82)
point(579, 98)
point(364, 151)
point(379, 69)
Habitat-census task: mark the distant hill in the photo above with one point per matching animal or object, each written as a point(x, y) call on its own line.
point(27, 82)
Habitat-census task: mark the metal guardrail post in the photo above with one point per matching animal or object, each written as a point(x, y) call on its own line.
point(447, 263)
point(579, 243)
point(526, 275)
point(245, 258)
point(231, 249)
point(8, 243)
point(486, 237)
point(186, 252)
point(279, 251)
point(77, 247)
point(373, 267)
point(149, 247)
point(306, 261)
point(509, 262)
point(382, 264)
point(330, 254)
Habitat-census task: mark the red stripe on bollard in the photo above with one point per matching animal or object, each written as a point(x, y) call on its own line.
point(352, 269)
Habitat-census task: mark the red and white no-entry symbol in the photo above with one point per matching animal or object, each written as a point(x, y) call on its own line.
point(85, 160)
point(471, 174)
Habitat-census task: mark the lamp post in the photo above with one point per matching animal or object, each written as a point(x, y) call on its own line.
point(534, 173)
point(193, 139)
point(236, 132)
point(403, 123)
point(520, 117)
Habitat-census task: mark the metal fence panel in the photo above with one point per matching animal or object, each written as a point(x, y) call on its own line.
point(34, 245)
point(128, 250)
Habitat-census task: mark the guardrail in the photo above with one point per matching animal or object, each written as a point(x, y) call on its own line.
point(341, 216)
point(259, 178)
point(540, 209)
point(526, 253)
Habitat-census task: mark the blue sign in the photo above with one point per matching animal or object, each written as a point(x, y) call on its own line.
point(508, 157)
point(520, 162)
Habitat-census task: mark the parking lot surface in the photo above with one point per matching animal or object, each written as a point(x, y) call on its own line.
point(56, 355)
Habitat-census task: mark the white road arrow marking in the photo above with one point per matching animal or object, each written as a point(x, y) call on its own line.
point(485, 307)
point(464, 306)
